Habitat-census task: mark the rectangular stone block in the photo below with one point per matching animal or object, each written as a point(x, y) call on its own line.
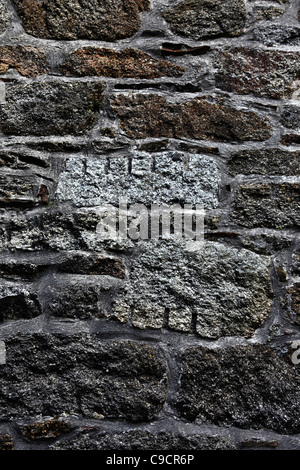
point(50, 375)
point(212, 289)
point(107, 20)
point(273, 205)
point(166, 178)
point(50, 108)
point(150, 115)
point(268, 73)
point(242, 386)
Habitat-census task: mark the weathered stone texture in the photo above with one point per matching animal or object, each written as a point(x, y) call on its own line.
point(277, 34)
point(264, 13)
point(4, 17)
point(68, 19)
point(49, 230)
point(47, 429)
point(296, 263)
point(127, 63)
point(203, 19)
point(17, 301)
point(243, 386)
point(144, 440)
point(177, 177)
point(168, 282)
point(290, 139)
point(290, 117)
point(52, 107)
point(6, 442)
point(264, 162)
point(267, 205)
point(28, 61)
point(263, 73)
point(53, 374)
point(291, 303)
point(84, 299)
point(143, 116)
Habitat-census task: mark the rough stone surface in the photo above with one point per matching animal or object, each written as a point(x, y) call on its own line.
point(4, 17)
point(202, 19)
point(151, 115)
point(290, 139)
point(144, 440)
point(277, 34)
point(149, 339)
point(263, 13)
point(6, 442)
point(78, 298)
point(17, 302)
point(264, 162)
point(296, 263)
point(291, 303)
point(28, 61)
point(262, 73)
point(97, 19)
point(128, 63)
point(290, 117)
point(53, 374)
point(267, 205)
point(49, 429)
point(169, 283)
point(246, 386)
point(46, 108)
point(177, 177)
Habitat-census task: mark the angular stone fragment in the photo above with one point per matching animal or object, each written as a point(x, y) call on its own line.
point(52, 107)
point(22, 159)
point(263, 73)
point(48, 375)
point(291, 303)
point(28, 61)
point(23, 269)
point(17, 302)
point(266, 13)
point(242, 386)
point(16, 189)
point(266, 243)
point(47, 429)
point(203, 19)
point(290, 139)
point(177, 177)
point(106, 20)
point(277, 34)
point(290, 117)
point(267, 205)
point(93, 265)
point(227, 291)
point(83, 297)
point(143, 116)
point(144, 440)
point(127, 63)
point(272, 161)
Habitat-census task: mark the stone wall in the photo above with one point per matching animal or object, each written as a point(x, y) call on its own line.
point(158, 343)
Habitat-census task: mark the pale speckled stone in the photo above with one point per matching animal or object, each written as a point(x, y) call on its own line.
point(227, 289)
point(187, 178)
